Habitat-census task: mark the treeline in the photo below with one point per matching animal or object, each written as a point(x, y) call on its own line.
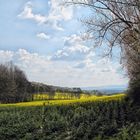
point(40, 87)
point(13, 84)
point(54, 92)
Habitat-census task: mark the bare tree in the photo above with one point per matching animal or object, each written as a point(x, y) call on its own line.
point(118, 23)
point(13, 84)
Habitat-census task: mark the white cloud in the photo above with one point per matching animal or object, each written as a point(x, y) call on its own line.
point(79, 48)
point(74, 49)
point(71, 53)
point(72, 40)
point(5, 56)
point(27, 13)
point(43, 36)
point(57, 13)
point(62, 73)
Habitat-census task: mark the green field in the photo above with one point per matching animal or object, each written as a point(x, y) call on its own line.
point(87, 118)
point(95, 118)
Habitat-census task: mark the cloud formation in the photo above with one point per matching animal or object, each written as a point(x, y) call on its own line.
point(6, 56)
point(27, 13)
point(73, 53)
point(56, 14)
point(74, 49)
point(63, 73)
point(43, 36)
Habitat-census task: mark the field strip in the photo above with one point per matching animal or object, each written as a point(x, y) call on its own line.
point(64, 102)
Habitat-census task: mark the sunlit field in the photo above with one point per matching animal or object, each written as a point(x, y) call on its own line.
point(62, 101)
point(60, 96)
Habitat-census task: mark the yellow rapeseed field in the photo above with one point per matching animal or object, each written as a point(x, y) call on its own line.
point(64, 102)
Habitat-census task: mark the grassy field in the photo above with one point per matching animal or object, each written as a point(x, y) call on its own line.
point(64, 102)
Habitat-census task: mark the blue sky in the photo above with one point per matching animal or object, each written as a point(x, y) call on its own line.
point(45, 39)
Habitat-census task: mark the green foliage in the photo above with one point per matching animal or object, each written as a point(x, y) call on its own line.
point(112, 120)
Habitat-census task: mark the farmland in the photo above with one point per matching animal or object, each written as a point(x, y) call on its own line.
point(93, 118)
point(38, 102)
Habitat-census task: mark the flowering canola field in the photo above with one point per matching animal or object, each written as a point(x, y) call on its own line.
point(83, 99)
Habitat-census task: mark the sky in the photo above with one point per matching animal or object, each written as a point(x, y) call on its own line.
point(45, 39)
